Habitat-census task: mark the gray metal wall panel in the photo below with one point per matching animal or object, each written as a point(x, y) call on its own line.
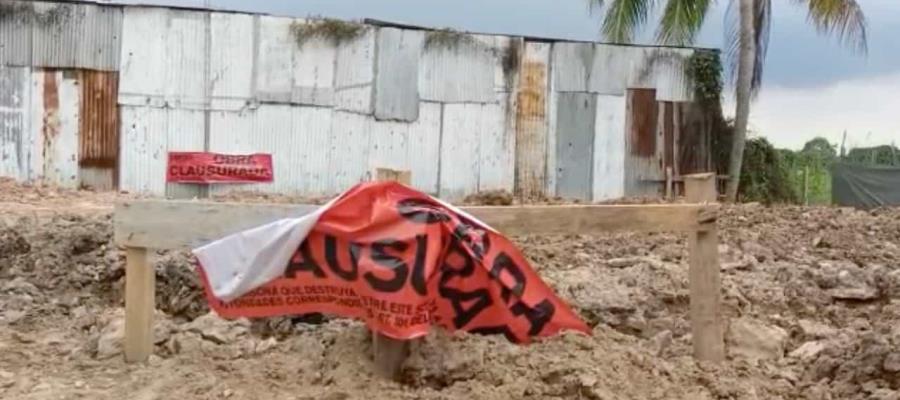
point(458, 73)
point(572, 65)
point(396, 74)
point(99, 40)
point(575, 145)
point(14, 113)
point(15, 33)
point(55, 34)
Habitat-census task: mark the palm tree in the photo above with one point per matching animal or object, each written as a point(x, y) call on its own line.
point(748, 41)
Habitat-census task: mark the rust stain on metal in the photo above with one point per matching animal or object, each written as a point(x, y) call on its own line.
point(643, 121)
point(531, 129)
point(99, 127)
point(50, 126)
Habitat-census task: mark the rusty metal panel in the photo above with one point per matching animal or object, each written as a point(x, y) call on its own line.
point(609, 148)
point(672, 83)
point(14, 121)
point(425, 148)
point(458, 72)
point(231, 60)
point(531, 120)
point(575, 145)
point(314, 65)
point(643, 165)
point(610, 67)
point(99, 138)
point(572, 66)
point(355, 74)
point(396, 74)
point(55, 115)
point(15, 32)
point(275, 59)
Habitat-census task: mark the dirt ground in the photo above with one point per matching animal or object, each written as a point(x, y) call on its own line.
point(812, 299)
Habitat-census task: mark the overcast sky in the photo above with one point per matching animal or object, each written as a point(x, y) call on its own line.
point(812, 86)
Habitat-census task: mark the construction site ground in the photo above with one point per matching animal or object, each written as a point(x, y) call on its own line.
point(811, 298)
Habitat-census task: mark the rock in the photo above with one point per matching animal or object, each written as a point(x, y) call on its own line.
point(661, 342)
point(109, 343)
point(853, 284)
point(892, 362)
point(752, 339)
point(23, 338)
point(623, 262)
point(20, 285)
point(217, 330)
point(808, 351)
point(13, 316)
point(815, 330)
point(227, 393)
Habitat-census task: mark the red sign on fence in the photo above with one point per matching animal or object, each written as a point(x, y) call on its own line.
point(201, 167)
point(396, 259)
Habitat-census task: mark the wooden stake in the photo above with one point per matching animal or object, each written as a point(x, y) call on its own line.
point(705, 284)
point(140, 280)
point(388, 354)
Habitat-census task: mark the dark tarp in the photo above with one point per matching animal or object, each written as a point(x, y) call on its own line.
point(865, 187)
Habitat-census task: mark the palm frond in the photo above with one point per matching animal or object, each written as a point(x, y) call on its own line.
point(624, 17)
point(681, 20)
point(762, 23)
point(843, 18)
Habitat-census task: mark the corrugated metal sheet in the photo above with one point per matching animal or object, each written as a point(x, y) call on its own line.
point(497, 149)
point(231, 60)
point(349, 151)
point(396, 74)
point(312, 134)
point(14, 118)
point(15, 32)
point(672, 83)
point(55, 145)
point(144, 150)
point(572, 66)
point(314, 65)
point(575, 145)
point(609, 148)
point(184, 131)
point(550, 176)
point(355, 74)
point(144, 41)
point(99, 138)
point(460, 139)
point(642, 69)
point(610, 69)
point(458, 72)
point(274, 59)
point(388, 146)
point(186, 60)
point(424, 144)
point(507, 53)
point(76, 36)
point(531, 120)
point(642, 163)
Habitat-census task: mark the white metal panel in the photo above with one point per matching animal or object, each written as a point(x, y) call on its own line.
point(388, 145)
point(460, 139)
point(672, 82)
point(572, 65)
point(311, 132)
point(15, 107)
point(184, 132)
point(502, 47)
point(55, 34)
point(609, 74)
point(458, 73)
point(232, 132)
point(396, 74)
point(144, 41)
point(349, 151)
point(231, 60)
point(272, 133)
point(497, 148)
point(314, 65)
point(552, 168)
point(355, 74)
point(424, 146)
point(185, 55)
point(61, 167)
point(99, 40)
point(15, 34)
point(143, 153)
point(274, 58)
point(609, 148)
point(642, 70)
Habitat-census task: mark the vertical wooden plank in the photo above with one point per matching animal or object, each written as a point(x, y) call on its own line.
point(139, 304)
point(388, 353)
point(705, 284)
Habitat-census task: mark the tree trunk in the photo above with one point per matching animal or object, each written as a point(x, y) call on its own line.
point(746, 57)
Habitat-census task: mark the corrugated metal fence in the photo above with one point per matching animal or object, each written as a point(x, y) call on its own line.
point(97, 95)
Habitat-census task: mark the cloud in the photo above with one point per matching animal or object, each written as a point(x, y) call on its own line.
point(867, 108)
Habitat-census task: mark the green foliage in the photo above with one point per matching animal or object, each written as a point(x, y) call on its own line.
point(333, 30)
point(809, 170)
point(875, 156)
point(448, 39)
point(764, 174)
point(704, 69)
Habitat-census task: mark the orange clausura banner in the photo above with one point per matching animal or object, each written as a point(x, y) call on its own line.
point(401, 261)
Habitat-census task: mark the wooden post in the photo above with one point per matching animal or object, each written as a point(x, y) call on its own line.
point(140, 298)
point(705, 284)
point(388, 354)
